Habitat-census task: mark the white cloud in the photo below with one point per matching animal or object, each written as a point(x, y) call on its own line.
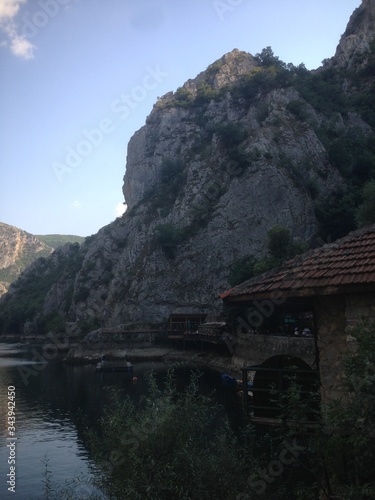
point(76, 204)
point(19, 45)
point(9, 8)
point(120, 209)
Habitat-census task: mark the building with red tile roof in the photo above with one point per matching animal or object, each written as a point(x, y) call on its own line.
point(347, 264)
point(335, 282)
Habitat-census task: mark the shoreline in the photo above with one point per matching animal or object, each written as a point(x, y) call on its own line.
point(77, 354)
point(213, 360)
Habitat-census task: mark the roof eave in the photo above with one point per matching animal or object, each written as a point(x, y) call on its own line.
point(277, 294)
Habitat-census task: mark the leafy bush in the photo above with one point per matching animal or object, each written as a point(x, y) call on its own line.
point(279, 242)
point(364, 102)
point(204, 95)
point(366, 211)
point(298, 109)
point(336, 216)
point(280, 248)
point(31, 289)
point(51, 322)
point(231, 134)
point(353, 156)
point(171, 182)
point(172, 444)
point(322, 90)
point(241, 271)
point(169, 237)
point(259, 82)
point(268, 59)
point(88, 325)
point(183, 96)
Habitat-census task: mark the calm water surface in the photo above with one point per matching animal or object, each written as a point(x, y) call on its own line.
point(52, 400)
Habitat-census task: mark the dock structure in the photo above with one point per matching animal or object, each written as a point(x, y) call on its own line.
point(179, 324)
point(114, 367)
point(114, 331)
point(192, 328)
point(180, 329)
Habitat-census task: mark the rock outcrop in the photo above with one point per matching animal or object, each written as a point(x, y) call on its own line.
point(247, 145)
point(357, 38)
point(18, 249)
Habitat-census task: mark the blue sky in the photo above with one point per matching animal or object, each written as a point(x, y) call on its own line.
point(79, 77)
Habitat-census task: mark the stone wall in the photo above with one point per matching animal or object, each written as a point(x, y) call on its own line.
point(332, 344)
point(359, 306)
point(255, 349)
point(336, 317)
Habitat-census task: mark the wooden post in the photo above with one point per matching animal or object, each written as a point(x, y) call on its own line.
point(244, 389)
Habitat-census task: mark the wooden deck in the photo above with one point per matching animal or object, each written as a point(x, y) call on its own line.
point(181, 329)
point(131, 332)
point(193, 329)
point(196, 337)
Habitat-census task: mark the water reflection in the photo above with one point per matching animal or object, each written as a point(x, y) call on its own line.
point(57, 401)
point(45, 426)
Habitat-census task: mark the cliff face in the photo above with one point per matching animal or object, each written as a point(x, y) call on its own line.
point(17, 250)
point(234, 170)
point(150, 146)
point(203, 188)
point(249, 144)
point(357, 38)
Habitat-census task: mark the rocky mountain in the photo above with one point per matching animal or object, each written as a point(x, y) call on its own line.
point(249, 144)
point(18, 249)
point(356, 41)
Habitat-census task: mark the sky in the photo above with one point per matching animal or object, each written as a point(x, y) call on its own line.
point(79, 77)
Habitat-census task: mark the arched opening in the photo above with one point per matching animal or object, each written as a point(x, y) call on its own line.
point(285, 386)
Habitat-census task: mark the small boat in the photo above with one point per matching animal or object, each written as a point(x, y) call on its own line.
point(109, 366)
point(228, 379)
point(232, 381)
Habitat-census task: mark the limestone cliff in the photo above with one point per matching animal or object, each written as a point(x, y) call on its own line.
point(248, 144)
point(357, 39)
point(17, 250)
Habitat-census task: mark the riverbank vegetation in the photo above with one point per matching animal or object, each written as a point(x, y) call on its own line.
point(171, 445)
point(176, 443)
point(280, 246)
point(180, 444)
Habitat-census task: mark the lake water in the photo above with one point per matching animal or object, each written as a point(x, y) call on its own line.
point(52, 400)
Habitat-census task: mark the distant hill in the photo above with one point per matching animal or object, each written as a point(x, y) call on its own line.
point(58, 240)
point(18, 249)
